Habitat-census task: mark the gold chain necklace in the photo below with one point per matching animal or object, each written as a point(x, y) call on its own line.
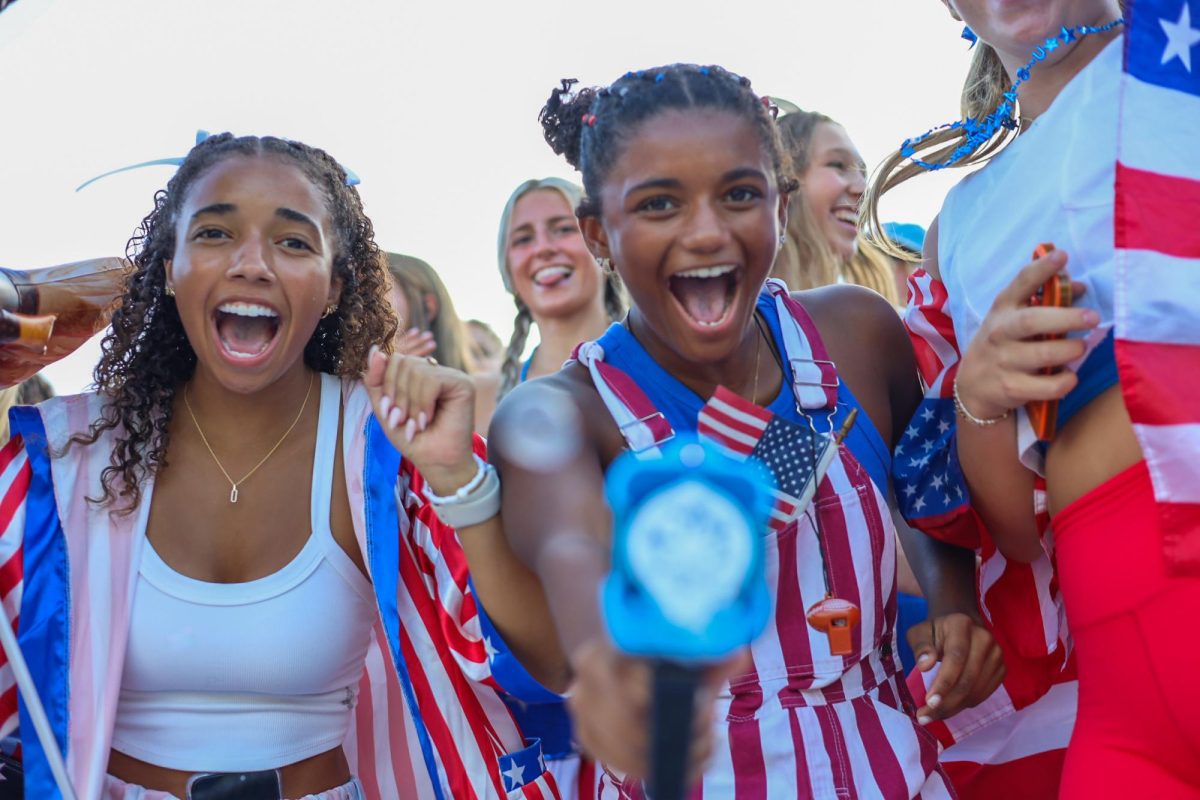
point(233, 493)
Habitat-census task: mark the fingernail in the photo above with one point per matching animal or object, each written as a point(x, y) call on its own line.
point(933, 700)
point(374, 349)
point(385, 406)
point(410, 430)
point(925, 658)
point(924, 720)
point(413, 331)
point(422, 420)
point(1091, 317)
point(394, 418)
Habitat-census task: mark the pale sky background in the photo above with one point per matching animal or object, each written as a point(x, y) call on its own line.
point(433, 104)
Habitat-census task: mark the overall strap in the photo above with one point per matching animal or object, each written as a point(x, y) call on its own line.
point(640, 422)
point(814, 375)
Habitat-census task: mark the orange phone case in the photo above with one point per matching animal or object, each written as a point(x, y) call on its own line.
point(1043, 414)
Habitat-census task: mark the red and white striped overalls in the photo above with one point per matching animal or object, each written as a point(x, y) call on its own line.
point(803, 722)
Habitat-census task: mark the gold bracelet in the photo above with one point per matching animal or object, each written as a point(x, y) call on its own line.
point(971, 418)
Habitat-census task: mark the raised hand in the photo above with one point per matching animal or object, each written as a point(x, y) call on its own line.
point(428, 414)
point(610, 701)
point(1001, 369)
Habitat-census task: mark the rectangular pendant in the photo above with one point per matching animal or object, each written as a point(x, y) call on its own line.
point(233, 494)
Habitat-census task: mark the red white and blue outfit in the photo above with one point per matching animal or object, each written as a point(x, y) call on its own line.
point(1111, 174)
point(429, 722)
point(802, 723)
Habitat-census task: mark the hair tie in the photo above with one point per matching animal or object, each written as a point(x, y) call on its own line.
point(969, 35)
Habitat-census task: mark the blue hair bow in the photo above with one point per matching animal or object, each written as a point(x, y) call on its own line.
point(352, 179)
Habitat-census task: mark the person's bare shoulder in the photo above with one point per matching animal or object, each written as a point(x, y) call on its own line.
point(571, 385)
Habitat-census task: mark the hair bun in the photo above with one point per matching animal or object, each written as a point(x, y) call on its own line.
point(562, 119)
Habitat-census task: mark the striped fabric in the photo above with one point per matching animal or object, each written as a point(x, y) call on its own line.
point(434, 726)
point(14, 476)
point(1020, 602)
point(794, 453)
point(990, 749)
point(802, 722)
point(1157, 205)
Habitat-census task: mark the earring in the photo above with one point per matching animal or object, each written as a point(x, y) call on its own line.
point(170, 290)
point(605, 263)
point(782, 239)
point(329, 309)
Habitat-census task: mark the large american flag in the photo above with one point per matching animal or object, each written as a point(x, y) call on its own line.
point(1157, 227)
point(796, 455)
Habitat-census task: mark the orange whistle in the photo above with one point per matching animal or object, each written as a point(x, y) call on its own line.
point(1056, 292)
point(836, 618)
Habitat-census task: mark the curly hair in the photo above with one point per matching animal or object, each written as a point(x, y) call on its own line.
point(587, 126)
point(146, 356)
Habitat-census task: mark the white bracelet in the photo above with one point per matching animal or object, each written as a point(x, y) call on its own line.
point(481, 467)
point(476, 501)
point(971, 418)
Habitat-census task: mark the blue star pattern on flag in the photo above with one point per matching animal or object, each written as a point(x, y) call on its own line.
point(522, 766)
point(1163, 46)
point(928, 478)
point(796, 455)
point(791, 452)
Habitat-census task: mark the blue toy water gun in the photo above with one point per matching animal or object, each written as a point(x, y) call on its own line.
point(688, 585)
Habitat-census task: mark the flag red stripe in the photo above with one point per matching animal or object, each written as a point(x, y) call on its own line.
point(749, 765)
point(1157, 212)
point(1164, 378)
point(886, 769)
point(804, 787)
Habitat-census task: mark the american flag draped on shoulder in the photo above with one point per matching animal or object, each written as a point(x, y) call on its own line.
point(1157, 237)
point(1020, 601)
point(797, 456)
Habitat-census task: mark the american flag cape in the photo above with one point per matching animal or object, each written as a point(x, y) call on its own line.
point(1020, 602)
point(1157, 239)
point(1018, 736)
point(430, 722)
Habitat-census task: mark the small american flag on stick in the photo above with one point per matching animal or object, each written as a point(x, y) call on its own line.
point(796, 455)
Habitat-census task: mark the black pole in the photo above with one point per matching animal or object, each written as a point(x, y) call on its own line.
point(671, 729)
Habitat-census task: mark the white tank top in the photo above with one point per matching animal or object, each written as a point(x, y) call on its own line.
point(1053, 184)
point(233, 677)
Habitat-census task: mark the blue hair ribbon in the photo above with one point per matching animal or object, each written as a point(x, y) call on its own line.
point(352, 178)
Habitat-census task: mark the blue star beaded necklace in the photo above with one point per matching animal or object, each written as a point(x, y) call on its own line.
point(979, 132)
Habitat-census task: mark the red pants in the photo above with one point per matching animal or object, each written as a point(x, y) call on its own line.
point(1137, 645)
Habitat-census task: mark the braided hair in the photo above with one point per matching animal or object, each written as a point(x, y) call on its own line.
point(615, 301)
point(146, 356)
point(588, 126)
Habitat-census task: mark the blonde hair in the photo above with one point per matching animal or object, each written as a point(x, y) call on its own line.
point(806, 260)
point(871, 267)
point(615, 302)
point(983, 91)
point(416, 280)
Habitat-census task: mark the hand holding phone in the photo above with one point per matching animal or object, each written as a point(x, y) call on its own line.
point(1056, 292)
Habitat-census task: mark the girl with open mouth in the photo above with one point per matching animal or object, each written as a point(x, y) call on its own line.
point(686, 194)
point(243, 555)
